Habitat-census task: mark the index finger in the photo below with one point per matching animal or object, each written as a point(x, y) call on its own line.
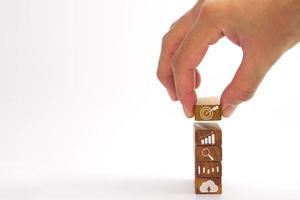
point(187, 58)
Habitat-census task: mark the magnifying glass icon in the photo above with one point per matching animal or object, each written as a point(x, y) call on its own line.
point(206, 153)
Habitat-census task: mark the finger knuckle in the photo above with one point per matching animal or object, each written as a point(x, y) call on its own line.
point(167, 40)
point(162, 77)
point(173, 25)
point(209, 8)
point(244, 94)
point(184, 61)
point(159, 75)
point(214, 9)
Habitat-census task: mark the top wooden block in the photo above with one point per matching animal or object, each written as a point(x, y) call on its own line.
point(208, 109)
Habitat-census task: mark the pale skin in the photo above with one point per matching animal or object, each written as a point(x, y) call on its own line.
point(264, 29)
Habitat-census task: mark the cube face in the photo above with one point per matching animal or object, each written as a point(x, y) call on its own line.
point(208, 154)
point(208, 186)
point(207, 134)
point(208, 112)
point(208, 170)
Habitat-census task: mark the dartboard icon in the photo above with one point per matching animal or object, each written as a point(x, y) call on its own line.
point(206, 113)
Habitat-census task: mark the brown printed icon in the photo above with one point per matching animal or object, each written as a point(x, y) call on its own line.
point(209, 153)
point(208, 169)
point(208, 186)
point(207, 134)
point(208, 109)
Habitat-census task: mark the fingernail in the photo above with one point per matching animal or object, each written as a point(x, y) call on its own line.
point(228, 110)
point(187, 113)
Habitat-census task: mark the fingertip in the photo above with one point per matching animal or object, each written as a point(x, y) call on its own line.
point(229, 97)
point(188, 113)
point(227, 102)
point(188, 101)
point(228, 110)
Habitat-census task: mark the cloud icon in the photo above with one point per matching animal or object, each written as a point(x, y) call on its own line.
point(208, 187)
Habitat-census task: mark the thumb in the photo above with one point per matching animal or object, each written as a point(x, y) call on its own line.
point(244, 84)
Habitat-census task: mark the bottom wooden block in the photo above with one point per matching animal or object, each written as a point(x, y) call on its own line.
point(208, 185)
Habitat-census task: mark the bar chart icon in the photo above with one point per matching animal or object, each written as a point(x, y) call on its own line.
point(208, 170)
point(209, 140)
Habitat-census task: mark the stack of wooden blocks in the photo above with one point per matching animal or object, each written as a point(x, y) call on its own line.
point(208, 146)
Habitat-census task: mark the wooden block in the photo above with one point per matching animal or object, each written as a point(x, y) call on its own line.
point(208, 109)
point(208, 169)
point(209, 153)
point(208, 186)
point(207, 134)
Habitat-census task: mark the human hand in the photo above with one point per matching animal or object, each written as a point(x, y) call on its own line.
point(263, 29)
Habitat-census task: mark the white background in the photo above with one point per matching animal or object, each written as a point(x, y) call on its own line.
point(82, 115)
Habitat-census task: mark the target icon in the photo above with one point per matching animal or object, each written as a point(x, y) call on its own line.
point(206, 113)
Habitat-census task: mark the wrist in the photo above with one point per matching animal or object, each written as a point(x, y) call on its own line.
point(287, 14)
point(294, 15)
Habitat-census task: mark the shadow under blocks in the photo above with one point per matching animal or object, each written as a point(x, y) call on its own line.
point(208, 146)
